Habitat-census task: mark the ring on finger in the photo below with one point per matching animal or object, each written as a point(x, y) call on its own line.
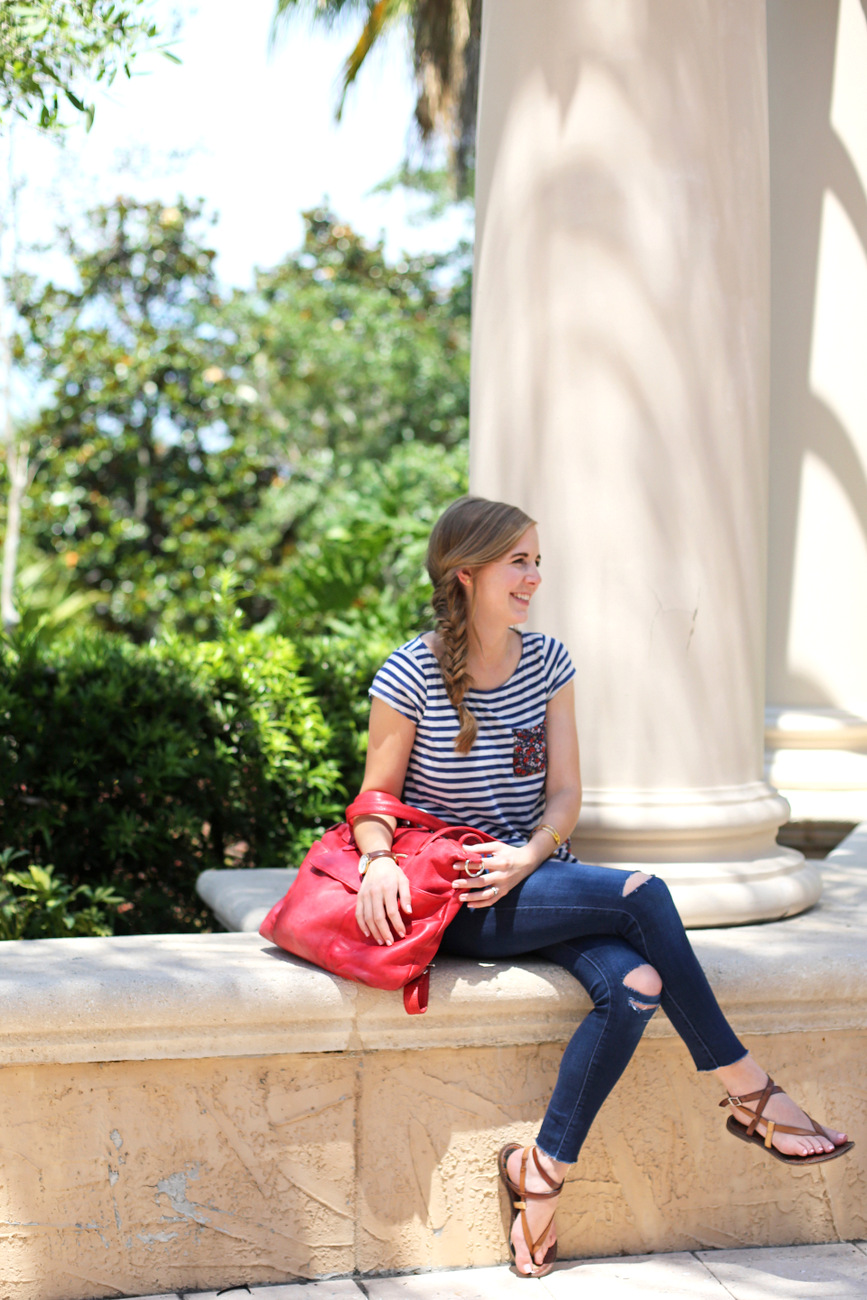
point(493, 889)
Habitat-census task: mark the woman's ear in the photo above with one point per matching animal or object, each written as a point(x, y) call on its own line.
point(464, 577)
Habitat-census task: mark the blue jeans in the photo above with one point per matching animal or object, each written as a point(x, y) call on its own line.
point(578, 916)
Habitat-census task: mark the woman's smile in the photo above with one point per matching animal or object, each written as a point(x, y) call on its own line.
point(492, 582)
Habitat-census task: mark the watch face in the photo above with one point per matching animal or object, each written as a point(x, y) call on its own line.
point(363, 863)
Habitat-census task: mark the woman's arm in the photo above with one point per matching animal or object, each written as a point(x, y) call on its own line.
point(509, 865)
point(384, 891)
point(563, 783)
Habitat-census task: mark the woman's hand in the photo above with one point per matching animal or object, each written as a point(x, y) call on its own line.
point(505, 866)
point(383, 895)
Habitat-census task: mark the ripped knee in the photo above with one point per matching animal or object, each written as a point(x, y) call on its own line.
point(649, 1007)
point(645, 988)
point(635, 880)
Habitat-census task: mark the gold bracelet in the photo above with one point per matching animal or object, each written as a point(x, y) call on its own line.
point(555, 834)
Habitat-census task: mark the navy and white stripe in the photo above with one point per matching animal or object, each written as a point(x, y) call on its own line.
point(478, 789)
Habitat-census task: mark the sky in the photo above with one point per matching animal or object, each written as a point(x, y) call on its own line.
point(251, 133)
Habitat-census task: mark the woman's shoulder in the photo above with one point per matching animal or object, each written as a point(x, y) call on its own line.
point(543, 645)
point(415, 662)
point(403, 681)
point(547, 656)
point(418, 652)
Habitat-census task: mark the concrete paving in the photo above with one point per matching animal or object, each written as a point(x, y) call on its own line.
point(837, 1271)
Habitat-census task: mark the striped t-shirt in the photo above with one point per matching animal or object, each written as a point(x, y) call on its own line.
point(499, 786)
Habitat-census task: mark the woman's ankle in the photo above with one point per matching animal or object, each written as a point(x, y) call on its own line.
point(555, 1169)
point(744, 1076)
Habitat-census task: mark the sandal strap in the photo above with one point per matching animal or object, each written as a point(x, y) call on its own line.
point(521, 1205)
point(533, 1246)
point(522, 1190)
point(552, 1182)
point(763, 1096)
point(815, 1131)
point(537, 1196)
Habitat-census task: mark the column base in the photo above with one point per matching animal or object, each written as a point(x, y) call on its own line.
point(707, 894)
point(817, 759)
point(716, 849)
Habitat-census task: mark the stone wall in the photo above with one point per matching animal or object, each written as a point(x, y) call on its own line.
point(202, 1111)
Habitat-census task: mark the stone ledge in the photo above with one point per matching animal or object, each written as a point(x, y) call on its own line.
point(817, 759)
point(161, 997)
point(241, 899)
point(225, 995)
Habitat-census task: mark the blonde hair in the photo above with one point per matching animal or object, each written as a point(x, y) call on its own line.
point(470, 533)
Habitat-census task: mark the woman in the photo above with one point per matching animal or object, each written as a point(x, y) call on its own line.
point(475, 723)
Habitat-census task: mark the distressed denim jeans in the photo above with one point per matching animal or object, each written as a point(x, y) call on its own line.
point(579, 916)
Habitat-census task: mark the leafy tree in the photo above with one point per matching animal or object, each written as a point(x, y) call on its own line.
point(355, 354)
point(146, 467)
point(17, 465)
point(432, 185)
point(359, 563)
point(48, 603)
point(356, 586)
point(183, 433)
point(445, 38)
point(356, 357)
point(51, 49)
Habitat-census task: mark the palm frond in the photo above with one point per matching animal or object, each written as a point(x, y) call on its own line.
point(446, 37)
point(465, 142)
point(382, 14)
point(325, 13)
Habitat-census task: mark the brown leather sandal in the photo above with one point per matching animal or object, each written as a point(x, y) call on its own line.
point(518, 1197)
point(747, 1132)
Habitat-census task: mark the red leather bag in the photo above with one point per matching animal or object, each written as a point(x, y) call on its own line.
point(316, 918)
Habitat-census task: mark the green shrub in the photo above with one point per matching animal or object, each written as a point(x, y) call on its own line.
point(356, 587)
point(40, 904)
point(358, 567)
point(340, 668)
point(145, 765)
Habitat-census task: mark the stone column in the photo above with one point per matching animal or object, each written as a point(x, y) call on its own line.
point(620, 395)
point(816, 738)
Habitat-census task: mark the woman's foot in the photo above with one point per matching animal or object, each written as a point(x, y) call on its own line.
point(539, 1211)
point(782, 1110)
point(748, 1077)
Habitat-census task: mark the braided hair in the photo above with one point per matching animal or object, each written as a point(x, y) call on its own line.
point(470, 533)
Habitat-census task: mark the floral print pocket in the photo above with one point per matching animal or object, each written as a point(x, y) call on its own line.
point(529, 752)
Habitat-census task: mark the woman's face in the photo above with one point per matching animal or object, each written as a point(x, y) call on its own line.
point(504, 588)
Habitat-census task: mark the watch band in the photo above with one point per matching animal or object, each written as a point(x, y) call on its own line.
point(366, 858)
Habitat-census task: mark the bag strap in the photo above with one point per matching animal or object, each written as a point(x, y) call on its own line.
point(373, 802)
point(416, 994)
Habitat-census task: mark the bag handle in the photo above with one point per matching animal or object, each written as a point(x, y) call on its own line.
point(373, 802)
point(416, 994)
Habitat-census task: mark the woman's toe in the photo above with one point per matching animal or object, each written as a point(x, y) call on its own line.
point(522, 1255)
point(545, 1247)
